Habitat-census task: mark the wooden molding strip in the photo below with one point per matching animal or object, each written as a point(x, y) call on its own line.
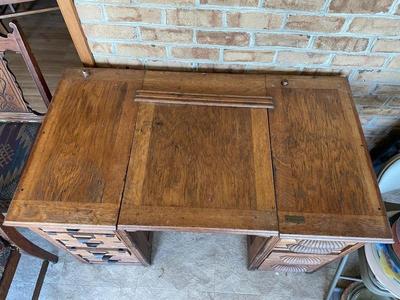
point(20, 117)
point(162, 97)
point(71, 18)
point(6, 2)
point(29, 12)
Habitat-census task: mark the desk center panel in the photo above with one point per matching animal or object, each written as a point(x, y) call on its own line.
point(200, 167)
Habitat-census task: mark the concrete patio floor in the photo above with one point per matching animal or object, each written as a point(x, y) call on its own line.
point(185, 266)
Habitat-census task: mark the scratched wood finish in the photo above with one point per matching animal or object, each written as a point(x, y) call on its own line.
point(324, 183)
point(173, 98)
point(200, 167)
point(75, 173)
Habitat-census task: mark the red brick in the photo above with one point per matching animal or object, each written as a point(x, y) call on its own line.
point(395, 63)
point(109, 31)
point(137, 50)
point(99, 47)
point(395, 101)
point(162, 2)
point(89, 12)
point(168, 65)
point(204, 18)
point(252, 3)
point(360, 6)
point(383, 45)
point(341, 43)
point(118, 62)
point(314, 23)
point(387, 89)
point(370, 100)
point(114, 1)
point(296, 58)
point(195, 53)
point(307, 5)
point(255, 20)
point(359, 88)
point(283, 40)
point(167, 34)
point(223, 38)
point(376, 26)
point(358, 60)
point(380, 76)
point(248, 56)
point(133, 14)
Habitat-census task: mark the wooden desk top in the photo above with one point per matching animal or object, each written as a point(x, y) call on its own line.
point(76, 171)
point(103, 158)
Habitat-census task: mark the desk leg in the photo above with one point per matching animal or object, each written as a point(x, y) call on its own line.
point(258, 249)
point(265, 254)
point(139, 243)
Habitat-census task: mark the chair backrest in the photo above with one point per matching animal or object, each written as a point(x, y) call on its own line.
point(13, 106)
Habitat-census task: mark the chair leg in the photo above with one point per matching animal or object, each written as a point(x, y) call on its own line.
point(40, 280)
point(25, 245)
point(9, 272)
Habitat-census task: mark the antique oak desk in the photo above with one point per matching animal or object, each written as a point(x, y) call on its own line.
point(280, 159)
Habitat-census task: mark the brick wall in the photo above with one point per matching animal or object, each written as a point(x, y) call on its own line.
point(357, 38)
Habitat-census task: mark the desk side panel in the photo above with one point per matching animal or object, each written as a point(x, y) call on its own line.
point(325, 186)
point(76, 170)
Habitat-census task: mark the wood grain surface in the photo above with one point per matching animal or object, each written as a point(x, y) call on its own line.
point(76, 171)
point(324, 183)
point(200, 167)
point(202, 99)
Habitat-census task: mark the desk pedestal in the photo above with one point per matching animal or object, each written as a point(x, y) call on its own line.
point(101, 246)
point(294, 255)
point(123, 247)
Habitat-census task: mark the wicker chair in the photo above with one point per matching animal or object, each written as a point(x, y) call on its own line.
point(19, 124)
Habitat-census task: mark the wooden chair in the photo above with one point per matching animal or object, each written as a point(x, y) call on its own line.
point(18, 126)
point(17, 8)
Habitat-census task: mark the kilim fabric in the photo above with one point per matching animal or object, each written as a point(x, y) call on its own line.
point(16, 140)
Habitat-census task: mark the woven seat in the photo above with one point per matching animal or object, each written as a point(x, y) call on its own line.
point(5, 250)
point(16, 140)
point(19, 124)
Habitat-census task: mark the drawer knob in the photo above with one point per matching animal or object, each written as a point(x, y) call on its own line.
point(284, 82)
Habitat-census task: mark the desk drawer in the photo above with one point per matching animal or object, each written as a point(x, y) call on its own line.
point(316, 247)
point(87, 240)
point(104, 255)
point(283, 261)
point(50, 229)
point(97, 246)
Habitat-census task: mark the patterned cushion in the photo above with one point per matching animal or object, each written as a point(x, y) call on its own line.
point(16, 140)
point(5, 250)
